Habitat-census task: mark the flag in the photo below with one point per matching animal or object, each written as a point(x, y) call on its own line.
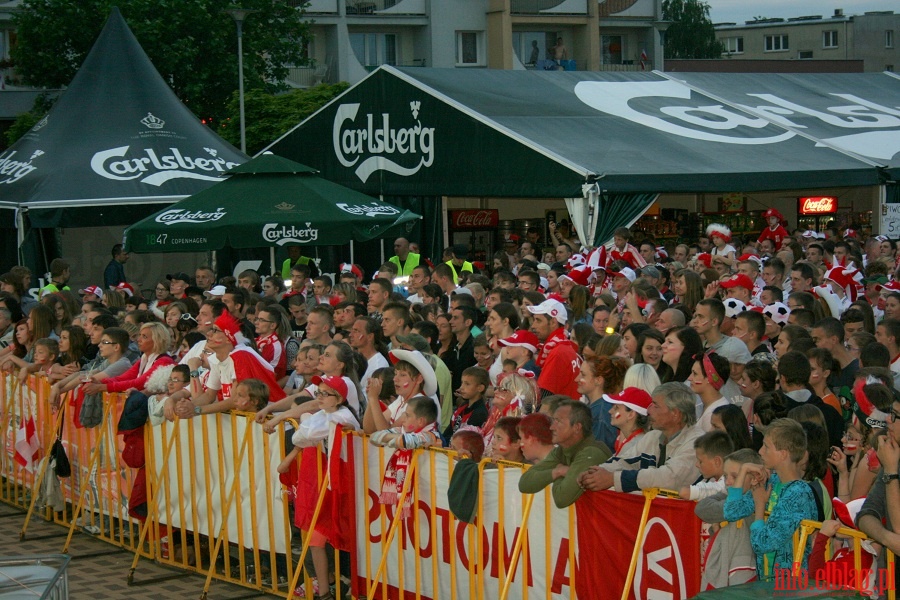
point(28, 447)
point(644, 59)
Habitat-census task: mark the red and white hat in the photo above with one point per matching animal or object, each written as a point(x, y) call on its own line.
point(597, 258)
point(126, 288)
point(92, 289)
point(523, 339)
point(773, 212)
point(626, 272)
point(576, 260)
point(336, 383)
point(351, 268)
point(848, 278)
point(634, 398)
point(892, 285)
point(705, 258)
point(229, 326)
point(748, 256)
point(719, 230)
point(738, 280)
point(579, 275)
point(553, 308)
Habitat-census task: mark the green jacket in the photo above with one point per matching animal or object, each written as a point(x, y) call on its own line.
point(578, 458)
point(412, 261)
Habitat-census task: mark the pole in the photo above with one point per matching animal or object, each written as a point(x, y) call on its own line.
point(240, 34)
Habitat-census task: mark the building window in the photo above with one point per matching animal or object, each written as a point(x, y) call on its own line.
point(888, 38)
point(374, 49)
point(611, 49)
point(805, 54)
point(733, 45)
point(777, 43)
point(468, 50)
point(829, 39)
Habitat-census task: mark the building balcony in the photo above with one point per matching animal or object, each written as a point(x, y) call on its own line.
point(385, 7)
point(548, 7)
point(321, 7)
point(304, 77)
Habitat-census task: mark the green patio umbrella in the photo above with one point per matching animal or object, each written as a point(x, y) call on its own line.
point(268, 201)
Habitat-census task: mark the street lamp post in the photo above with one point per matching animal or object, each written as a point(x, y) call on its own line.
point(239, 15)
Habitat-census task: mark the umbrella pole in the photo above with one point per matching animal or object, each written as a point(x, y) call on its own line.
point(272, 259)
point(211, 257)
point(352, 261)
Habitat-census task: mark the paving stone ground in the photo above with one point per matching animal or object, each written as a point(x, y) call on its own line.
point(98, 571)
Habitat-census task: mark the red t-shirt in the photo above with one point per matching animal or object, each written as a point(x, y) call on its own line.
point(560, 369)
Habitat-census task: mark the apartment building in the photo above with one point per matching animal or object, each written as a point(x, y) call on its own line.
point(353, 37)
point(869, 37)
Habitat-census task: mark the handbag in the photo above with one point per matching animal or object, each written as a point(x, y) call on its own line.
point(91, 413)
point(61, 460)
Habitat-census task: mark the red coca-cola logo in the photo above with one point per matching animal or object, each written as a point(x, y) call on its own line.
point(817, 205)
point(474, 219)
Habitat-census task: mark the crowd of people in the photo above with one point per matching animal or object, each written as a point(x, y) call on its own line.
point(757, 377)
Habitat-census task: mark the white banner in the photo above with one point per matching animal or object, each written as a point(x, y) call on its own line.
point(443, 548)
point(257, 508)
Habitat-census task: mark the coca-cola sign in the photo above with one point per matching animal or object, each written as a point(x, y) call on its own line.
point(817, 205)
point(474, 219)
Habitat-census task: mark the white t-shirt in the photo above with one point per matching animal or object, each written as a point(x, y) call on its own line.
point(195, 352)
point(221, 377)
point(352, 397)
point(398, 407)
point(378, 361)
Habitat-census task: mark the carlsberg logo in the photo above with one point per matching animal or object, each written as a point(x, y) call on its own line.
point(153, 169)
point(403, 150)
point(289, 234)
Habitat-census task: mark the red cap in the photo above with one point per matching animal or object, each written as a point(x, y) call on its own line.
point(634, 398)
point(92, 289)
point(773, 212)
point(227, 323)
point(351, 268)
point(579, 275)
point(738, 280)
point(336, 383)
point(705, 258)
point(126, 288)
point(522, 338)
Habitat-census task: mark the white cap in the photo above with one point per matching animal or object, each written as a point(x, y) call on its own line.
point(553, 308)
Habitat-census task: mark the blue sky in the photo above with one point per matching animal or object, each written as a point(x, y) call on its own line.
point(742, 10)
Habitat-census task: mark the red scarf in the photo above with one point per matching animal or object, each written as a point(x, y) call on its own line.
point(395, 475)
point(621, 443)
point(557, 338)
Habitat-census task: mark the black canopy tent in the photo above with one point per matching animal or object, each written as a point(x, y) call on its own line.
point(117, 146)
point(614, 139)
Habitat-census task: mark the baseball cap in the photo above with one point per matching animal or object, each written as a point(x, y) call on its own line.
point(738, 280)
point(180, 277)
point(521, 338)
point(336, 383)
point(126, 288)
point(416, 341)
point(216, 292)
point(651, 271)
point(626, 272)
point(634, 398)
point(92, 289)
point(462, 290)
point(543, 267)
point(551, 307)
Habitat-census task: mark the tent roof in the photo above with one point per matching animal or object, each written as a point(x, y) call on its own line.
point(118, 134)
point(536, 134)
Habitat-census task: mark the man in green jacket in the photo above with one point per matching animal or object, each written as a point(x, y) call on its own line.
point(576, 450)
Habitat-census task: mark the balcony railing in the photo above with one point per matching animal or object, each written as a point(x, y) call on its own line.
point(548, 7)
point(626, 67)
point(372, 7)
point(327, 7)
point(304, 77)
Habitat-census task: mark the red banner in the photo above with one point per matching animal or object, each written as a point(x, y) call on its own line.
point(669, 562)
point(474, 219)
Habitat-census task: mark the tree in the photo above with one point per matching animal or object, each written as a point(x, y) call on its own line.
point(192, 43)
point(691, 34)
point(270, 116)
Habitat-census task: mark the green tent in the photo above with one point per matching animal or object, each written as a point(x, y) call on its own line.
point(268, 201)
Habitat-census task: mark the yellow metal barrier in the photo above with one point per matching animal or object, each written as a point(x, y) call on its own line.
point(807, 528)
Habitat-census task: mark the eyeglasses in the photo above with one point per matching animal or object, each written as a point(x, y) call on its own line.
point(107, 342)
point(177, 380)
point(214, 330)
point(894, 416)
point(323, 393)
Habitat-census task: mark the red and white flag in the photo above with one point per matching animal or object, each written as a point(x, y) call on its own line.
point(644, 59)
point(28, 447)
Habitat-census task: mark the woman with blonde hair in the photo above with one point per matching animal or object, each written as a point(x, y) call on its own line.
point(642, 376)
point(154, 341)
point(514, 396)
